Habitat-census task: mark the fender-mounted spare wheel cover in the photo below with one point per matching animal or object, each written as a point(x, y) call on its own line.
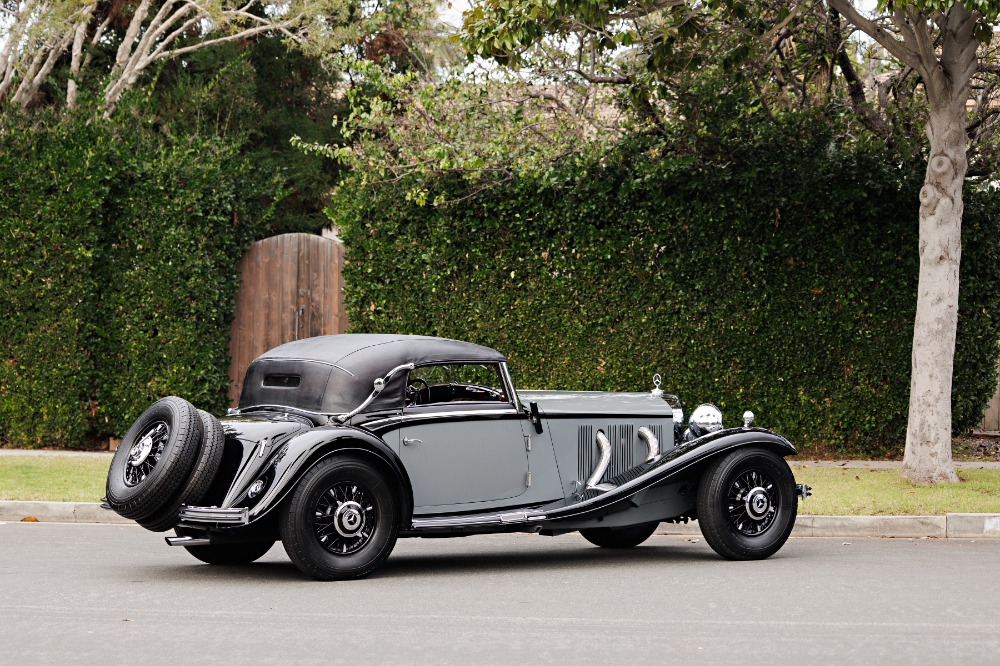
point(155, 458)
point(198, 482)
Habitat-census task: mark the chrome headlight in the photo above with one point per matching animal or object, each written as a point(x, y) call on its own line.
point(705, 418)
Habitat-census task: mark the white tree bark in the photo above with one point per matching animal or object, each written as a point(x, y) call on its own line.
point(946, 66)
point(927, 458)
point(39, 32)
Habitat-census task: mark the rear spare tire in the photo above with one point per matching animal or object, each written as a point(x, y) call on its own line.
point(154, 458)
point(199, 481)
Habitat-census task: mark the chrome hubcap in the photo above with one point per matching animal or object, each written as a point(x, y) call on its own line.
point(752, 502)
point(350, 519)
point(145, 453)
point(757, 504)
point(345, 518)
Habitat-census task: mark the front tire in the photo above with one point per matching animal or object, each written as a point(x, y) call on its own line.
point(621, 537)
point(747, 504)
point(342, 520)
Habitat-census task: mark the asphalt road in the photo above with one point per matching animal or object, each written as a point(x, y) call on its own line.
point(114, 594)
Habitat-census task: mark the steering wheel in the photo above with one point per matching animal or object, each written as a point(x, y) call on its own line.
point(413, 390)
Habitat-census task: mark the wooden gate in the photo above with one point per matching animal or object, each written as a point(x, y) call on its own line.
point(991, 417)
point(290, 288)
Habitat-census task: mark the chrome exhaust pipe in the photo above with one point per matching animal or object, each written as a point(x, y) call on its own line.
point(602, 465)
point(187, 541)
point(652, 444)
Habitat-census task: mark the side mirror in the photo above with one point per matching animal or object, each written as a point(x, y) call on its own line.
point(536, 420)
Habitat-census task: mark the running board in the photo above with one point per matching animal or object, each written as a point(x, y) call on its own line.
point(506, 518)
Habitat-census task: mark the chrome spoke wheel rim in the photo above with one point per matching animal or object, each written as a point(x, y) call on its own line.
point(752, 502)
point(145, 453)
point(345, 517)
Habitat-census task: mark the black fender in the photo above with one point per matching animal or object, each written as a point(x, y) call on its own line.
point(301, 452)
point(683, 463)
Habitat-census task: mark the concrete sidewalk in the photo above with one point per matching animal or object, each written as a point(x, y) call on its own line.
point(952, 525)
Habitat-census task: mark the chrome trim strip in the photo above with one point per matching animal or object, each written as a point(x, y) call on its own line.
point(379, 385)
point(472, 412)
point(509, 384)
point(404, 419)
point(652, 444)
point(211, 514)
point(187, 541)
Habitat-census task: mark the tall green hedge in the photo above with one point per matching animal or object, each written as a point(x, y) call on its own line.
point(781, 279)
point(119, 272)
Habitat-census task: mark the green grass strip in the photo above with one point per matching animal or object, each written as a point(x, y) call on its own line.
point(53, 478)
point(841, 491)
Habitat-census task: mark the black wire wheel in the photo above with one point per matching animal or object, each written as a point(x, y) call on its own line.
point(342, 519)
point(747, 504)
point(154, 458)
point(752, 501)
point(145, 453)
point(346, 517)
point(619, 537)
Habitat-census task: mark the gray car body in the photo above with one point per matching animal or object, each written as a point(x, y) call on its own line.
point(466, 467)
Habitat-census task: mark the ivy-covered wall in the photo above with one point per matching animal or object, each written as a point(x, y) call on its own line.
point(118, 272)
point(781, 279)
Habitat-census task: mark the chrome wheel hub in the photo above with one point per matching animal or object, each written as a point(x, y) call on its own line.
point(140, 451)
point(145, 453)
point(757, 504)
point(752, 502)
point(349, 520)
point(345, 517)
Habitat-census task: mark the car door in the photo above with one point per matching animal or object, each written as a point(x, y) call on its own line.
point(462, 442)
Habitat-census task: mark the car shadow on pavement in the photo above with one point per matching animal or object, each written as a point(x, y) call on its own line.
point(409, 564)
point(589, 557)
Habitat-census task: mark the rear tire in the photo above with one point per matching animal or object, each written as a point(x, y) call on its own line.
point(228, 554)
point(747, 504)
point(154, 459)
point(619, 537)
point(341, 521)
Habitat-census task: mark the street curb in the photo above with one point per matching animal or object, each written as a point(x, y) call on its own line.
point(952, 525)
point(59, 512)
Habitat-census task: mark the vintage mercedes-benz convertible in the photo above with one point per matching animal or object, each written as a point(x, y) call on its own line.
point(343, 443)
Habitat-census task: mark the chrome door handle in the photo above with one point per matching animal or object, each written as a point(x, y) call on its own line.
point(411, 440)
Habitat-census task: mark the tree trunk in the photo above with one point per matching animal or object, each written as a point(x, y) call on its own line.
point(927, 458)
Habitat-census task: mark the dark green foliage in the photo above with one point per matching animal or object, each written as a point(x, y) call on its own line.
point(119, 271)
point(262, 94)
point(780, 279)
point(54, 183)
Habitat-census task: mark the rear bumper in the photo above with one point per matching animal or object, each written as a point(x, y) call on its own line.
point(206, 515)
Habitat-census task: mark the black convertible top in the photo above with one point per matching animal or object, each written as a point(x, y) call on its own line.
point(374, 355)
point(334, 373)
